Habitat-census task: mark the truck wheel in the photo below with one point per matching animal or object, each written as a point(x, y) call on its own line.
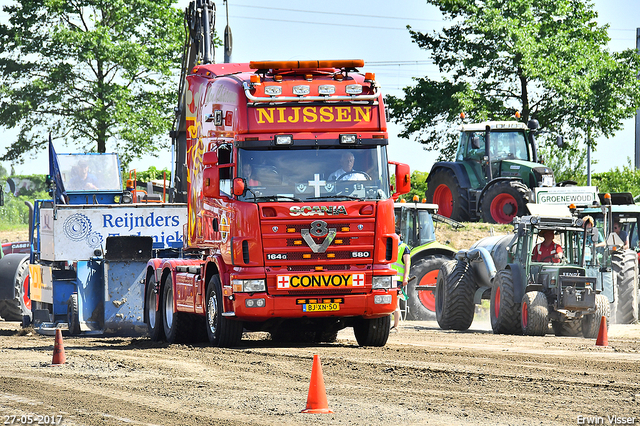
point(422, 304)
point(14, 268)
point(454, 296)
point(591, 323)
point(152, 316)
point(504, 200)
point(503, 309)
point(535, 311)
point(175, 324)
point(444, 190)
point(73, 315)
point(624, 308)
point(221, 331)
point(372, 332)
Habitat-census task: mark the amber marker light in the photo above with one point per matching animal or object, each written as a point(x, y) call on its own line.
point(344, 229)
point(306, 256)
point(297, 243)
point(331, 255)
point(607, 198)
point(517, 114)
point(277, 77)
point(254, 79)
point(291, 229)
point(337, 241)
point(416, 198)
point(370, 76)
point(462, 115)
point(318, 268)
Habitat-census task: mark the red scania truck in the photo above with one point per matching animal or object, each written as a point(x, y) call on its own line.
point(290, 225)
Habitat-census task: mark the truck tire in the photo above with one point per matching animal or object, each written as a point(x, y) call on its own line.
point(504, 200)
point(73, 315)
point(221, 331)
point(591, 323)
point(176, 324)
point(624, 308)
point(445, 191)
point(503, 309)
point(571, 328)
point(535, 314)
point(372, 332)
point(454, 296)
point(152, 316)
point(14, 268)
point(422, 303)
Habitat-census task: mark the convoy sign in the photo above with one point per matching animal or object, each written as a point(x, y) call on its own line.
point(75, 232)
point(315, 281)
point(578, 195)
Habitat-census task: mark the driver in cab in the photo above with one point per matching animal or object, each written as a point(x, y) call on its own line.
point(547, 250)
point(345, 172)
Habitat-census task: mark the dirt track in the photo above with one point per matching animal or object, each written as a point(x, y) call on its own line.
point(423, 376)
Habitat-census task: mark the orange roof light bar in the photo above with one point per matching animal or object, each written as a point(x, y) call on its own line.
point(338, 63)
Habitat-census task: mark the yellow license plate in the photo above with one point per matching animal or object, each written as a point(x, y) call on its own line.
point(320, 307)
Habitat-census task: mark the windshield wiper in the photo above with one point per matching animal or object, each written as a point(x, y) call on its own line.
point(276, 198)
point(328, 197)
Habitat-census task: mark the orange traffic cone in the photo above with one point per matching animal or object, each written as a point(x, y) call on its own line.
point(317, 399)
point(58, 350)
point(602, 339)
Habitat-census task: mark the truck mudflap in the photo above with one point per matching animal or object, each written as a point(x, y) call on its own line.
point(262, 306)
point(124, 304)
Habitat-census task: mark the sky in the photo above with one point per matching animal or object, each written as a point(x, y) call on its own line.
point(374, 31)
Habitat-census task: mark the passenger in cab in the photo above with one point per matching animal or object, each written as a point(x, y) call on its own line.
point(547, 250)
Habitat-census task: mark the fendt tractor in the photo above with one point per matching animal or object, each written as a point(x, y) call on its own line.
point(496, 173)
point(290, 225)
point(416, 221)
point(525, 292)
point(609, 261)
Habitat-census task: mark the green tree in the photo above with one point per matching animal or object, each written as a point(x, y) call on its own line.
point(546, 59)
point(418, 186)
point(90, 71)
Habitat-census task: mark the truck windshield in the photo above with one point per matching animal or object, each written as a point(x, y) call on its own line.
point(90, 172)
point(314, 174)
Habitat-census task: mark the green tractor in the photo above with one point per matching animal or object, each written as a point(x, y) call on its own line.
point(525, 293)
point(496, 173)
point(416, 222)
point(613, 264)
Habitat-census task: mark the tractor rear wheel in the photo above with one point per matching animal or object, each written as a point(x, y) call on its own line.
point(454, 296)
point(504, 200)
point(15, 269)
point(534, 314)
point(624, 309)
point(571, 328)
point(422, 303)
point(591, 323)
point(444, 190)
point(503, 309)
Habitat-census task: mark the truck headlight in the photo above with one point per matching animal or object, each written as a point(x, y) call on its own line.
point(382, 282)
point(382, 299)
point(248, 286)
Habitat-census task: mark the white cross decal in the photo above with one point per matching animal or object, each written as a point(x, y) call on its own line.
point(317, 183)
point(283, 281)
point(358, 280)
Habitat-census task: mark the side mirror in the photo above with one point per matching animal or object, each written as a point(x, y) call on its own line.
point(403, 179)
point(210, 158)
point(211, 181)
point(475, 142)
point(239, 186)
point(533, 124)
point(559, 141)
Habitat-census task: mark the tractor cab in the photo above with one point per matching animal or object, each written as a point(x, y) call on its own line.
point(90, 178)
